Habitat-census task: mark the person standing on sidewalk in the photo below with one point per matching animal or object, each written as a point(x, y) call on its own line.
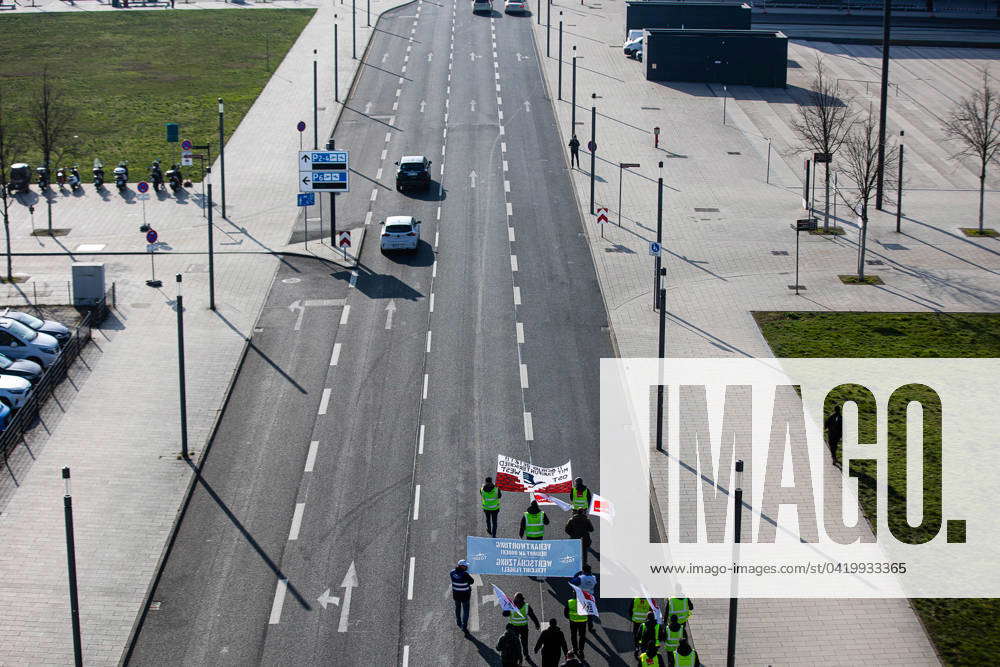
point(574, 152)
point(461, 592)
point(834, 431)
point(490, 495)
point(552, 642)
point(579, 527)
point(533, 523)
point(519, 620)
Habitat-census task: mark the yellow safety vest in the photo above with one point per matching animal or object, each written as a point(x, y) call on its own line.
point(689, 660)
point(641, 608)
point(656, 633)
point(534, 524)
point(573, 616)
point(644, 659)
point(514, 619)
point(579, 501)
point(491, 498)
point(673, 639)
point(679, 608)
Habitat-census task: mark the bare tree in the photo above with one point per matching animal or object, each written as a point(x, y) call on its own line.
point(860, 164)
point(975, 123)
point(823, 123)
point(52, 121)
point(7, 150)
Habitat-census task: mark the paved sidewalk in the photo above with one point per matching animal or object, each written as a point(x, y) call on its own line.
point(730, 251)
point(119, 430)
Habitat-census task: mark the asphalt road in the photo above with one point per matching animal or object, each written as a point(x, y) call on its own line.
point(346, 468)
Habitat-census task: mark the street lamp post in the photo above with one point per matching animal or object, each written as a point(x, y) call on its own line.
point(211, 252)
point(560, 53)
point(548, 28)
point(74, 599)
point(354, 31)
point(572, 129)
point(182, 382)
point(733, 601)
point(336, 74)
point(659, 233)
point(315, 105)
point(222, 154)
point(886, 20)
point(593, 147)
point(899, 184)
point(369, 13)
point(659, 381)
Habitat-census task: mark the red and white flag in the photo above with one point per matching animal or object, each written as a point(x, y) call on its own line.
point(585, 601)
point(506, 604)
point(546, 499)
point(602, 507)
point(655, 607)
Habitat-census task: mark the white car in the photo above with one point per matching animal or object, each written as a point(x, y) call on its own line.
point(482, 6)
point(13, 391)
point(519, 6)
point(20, 342)
point(58, 331)
point(399, 232)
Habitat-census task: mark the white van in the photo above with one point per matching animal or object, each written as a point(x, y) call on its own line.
point(482, 6)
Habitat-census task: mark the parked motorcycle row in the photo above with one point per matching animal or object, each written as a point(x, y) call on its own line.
point(20, 177)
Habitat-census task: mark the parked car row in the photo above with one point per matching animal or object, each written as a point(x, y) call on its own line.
point(28, 345)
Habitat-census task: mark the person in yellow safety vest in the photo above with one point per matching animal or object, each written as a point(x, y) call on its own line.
point(651, 658)
point(579, 495)
point(533, 523)
point(674, 633)
point(650, 633)
point(519, 620)
point(577, 626)
point(491, 494)
point(681, 608)
point(640, 607)
point(684, 656)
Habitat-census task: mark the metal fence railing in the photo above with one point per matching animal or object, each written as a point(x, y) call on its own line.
point(26, 418)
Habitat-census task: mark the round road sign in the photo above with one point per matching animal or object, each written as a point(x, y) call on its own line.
point(301, 127)
point(143, 187)
point(591, 146)
point(151, 236)
point(186, 145)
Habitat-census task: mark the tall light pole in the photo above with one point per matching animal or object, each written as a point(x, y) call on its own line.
point(182, 381)
point(369, 13)
point(548, 28)
point(886, 19)
point(222, 153)
point(662, 353)
point(336, 74)
point(733, 601)
point(593, 146)
point(74, 599)
point(659, 231)
point(573, 105)
point(211, 247)
point(354, 30)
point(315, 105)
point(560, 52)
point(899, 183)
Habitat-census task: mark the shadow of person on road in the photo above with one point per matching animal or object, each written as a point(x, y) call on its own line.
point(486, 652)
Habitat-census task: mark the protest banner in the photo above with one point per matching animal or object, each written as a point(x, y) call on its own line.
point(515, 475)
point(536, 558)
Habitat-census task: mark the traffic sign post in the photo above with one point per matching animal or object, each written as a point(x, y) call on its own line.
point(307, 199)
point(143, 188)
point(803, 225)
point(301, 127)
point(324, 171)
point(654, 249)
point(187, 156)
point(151, 246)
point(344, 241)
point(602, 217)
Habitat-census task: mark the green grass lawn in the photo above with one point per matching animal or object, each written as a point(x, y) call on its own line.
point(966, 631)
point(129, 73)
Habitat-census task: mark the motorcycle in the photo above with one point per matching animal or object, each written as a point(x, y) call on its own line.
point(98, 172)
point(175, 178)
point(20, 178)
point(121, 175)
point(74, 178)
point(61, 177)
point(43, 176)
point(156, 176)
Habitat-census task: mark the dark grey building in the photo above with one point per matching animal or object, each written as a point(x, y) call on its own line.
point(650, 14)
point(738, 57)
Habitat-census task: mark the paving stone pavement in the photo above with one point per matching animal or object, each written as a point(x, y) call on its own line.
point(728, 206)
point(116, 423)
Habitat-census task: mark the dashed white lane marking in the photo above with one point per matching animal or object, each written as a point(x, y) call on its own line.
point(505, 166)
point(510, 234)
point(437, 236)
point(385, 151)
point(401, 80)
point(395, 106)
point(432, 302)
point(446, 117)
point(434, 269)
point(354, 276)
point(444, 148)
point(503, 147)
point(279, 601)
point(513, 263)
point(496, 75)
point(416, 503)
point(406, 656)
point(398, 91)
point(498, 87)
point(426, 379)
point(517, 295)
point(374, 193)
point(444, 133)
point(524, 376)
point(446, 103)
point(439, 213)
point(403, 70)
point(506, 186)
point(409, 586)
point(510, 211)
point(311, 456)
point(529, 434)
point(502, 130)
point(520, 333)
point(406, 58)
point(324, 401)
point(388, 136)
point(343, 315)
point(300, 509)
point(428, 342)
point(378, 174)
point(420, 445)
point(335, 357)
point(368, 218)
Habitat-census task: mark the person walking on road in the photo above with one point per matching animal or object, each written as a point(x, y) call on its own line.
point(681, 608)
point(509, 647)
point(461, 592)
point(533, 523)
point(834, 431)
point(490, 495)
point(579, 527)
point(552, 642)
point(580, 495)
point(684, 656)
point(586, 580)
point(574, 152)
point(650, 634)
point(640, 607)
point(519, 620)
point(577, 626)
point(673, 634)
point(651, 658)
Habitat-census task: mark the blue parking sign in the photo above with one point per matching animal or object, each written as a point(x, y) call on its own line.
point(307, 199)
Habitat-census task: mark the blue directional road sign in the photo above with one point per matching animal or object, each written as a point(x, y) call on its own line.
point(654, 249)
point(323, 181)
point(324, 171)
point(307, 199)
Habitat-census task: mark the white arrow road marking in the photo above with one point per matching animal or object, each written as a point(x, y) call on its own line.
point(527, 106)
point(472, 177)
point(472, 105)
point(422, 104)
point(430, 57)
point(384, 56)
point(472, 56)
point(368, 107)
point(326, 599)
point(297, 305)
point(389, 310)
point(349, 582)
